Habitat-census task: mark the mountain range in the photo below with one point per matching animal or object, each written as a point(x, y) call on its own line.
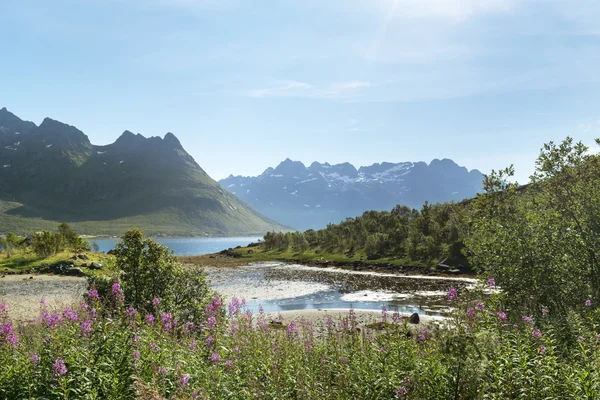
point(311, 197)
point(52, 172)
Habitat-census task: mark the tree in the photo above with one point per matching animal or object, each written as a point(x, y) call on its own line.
point(149, 269)
point(9, 243)
point(45, 244)
point(541, 242)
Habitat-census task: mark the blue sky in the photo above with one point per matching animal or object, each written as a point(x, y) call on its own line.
point(246, 84)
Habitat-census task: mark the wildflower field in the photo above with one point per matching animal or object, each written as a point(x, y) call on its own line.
point(105, 349)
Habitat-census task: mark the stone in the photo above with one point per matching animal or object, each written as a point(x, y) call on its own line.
point(75, 272)
point(95, 265)
point(414, 319)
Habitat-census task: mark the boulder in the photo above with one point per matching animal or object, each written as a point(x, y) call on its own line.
point(95, 265)
point(83, 257)
point(75, 272)
point(250, 251)
point(414, 319)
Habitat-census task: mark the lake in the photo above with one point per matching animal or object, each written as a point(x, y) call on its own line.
point(189, 246)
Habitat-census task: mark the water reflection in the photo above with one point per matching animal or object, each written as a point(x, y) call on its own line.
point(278, 287)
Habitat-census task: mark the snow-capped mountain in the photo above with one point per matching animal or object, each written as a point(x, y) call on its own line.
point(311, 197)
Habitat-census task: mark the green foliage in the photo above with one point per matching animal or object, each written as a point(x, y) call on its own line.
point(118, 352)
point(9, 243)
point(149, 270)
point(46, 243)
point(429, 235)
point(541, 243)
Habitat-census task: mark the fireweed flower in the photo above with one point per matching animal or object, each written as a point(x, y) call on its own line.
point(93, 295)
point(452, 294)
point(480, 305)
point(3, 308)
point(153, 346)
point(34, 358)
point(59, 368)
point(384, 314)
point(422, 335)
point(86, 328)
point(536, 333)
point(150, 319)
point(70, 315)
point(329, 322)
point(542, 349)
point(229, 363)
point(588, 303)
point(184, 381)
point(343, 359)
point(291, 328)
point(130, 312)
point(471, 312)
point(9, 335)
point(491, 282)
point(501, 316)
point(155, 302)
point(210, 339)
point(193, 345)
point(396, 316)
point(527, 320)
point(42, 301)
point(215, 358)
point(162, 370)
point(136, 355)
point(118, 292)
point(212, 321)
point(401, 392)
point(545, 311)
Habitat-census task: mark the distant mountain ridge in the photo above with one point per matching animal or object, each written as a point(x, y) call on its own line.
point(52, 172)
point(311, 197)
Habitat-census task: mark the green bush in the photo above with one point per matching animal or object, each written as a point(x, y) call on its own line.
point(147, 270)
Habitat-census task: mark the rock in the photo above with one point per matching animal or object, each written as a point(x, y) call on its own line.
point(432, 270)
point(83, 257)
point(75, 257)
point(95, 265)
point(111, 252)
point(443, 267)
point(454, 271)
point(414, 319)
point(31, 277)
point(75, 272)
point(250, 251)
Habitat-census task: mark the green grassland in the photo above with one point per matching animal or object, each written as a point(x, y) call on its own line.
point(166, 222)
point(24, 261)
point(247, 255)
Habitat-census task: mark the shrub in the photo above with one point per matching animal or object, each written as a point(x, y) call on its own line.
point(149, 270)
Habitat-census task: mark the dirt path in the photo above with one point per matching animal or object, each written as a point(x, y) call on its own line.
point(22, 293)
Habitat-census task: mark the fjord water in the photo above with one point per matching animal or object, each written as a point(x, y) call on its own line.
point(189, 246)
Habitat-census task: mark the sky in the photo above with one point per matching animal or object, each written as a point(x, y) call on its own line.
point(246, 84)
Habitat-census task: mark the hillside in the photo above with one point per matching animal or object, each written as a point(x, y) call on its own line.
point(311, 197)
point(52, 172)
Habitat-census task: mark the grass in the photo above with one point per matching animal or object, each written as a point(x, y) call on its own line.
point(24, 261)
point(169, 221)
point(260, 254)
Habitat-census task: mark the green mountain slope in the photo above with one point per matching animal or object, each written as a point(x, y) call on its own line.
point(53, 173)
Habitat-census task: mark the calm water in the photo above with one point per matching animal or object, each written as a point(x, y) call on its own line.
point(278, 287)
point(189, 246)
